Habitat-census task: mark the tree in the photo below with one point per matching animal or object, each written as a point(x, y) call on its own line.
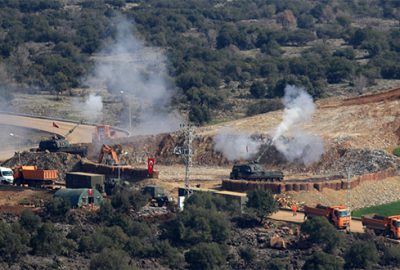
point(320, 231)
point(111, 259)
point(47, 241)
point(321, 260)
point(362, 255)
point(205, 256)
point(12, 243)
point(57, 208)
point(247, 254)
point(262, 203)
point(391, 256)
point(29, 221)
point(258, 89)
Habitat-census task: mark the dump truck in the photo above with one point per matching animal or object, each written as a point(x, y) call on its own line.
point(34, 177)
point(255, 172)
point(381, 225)
point(337, 215)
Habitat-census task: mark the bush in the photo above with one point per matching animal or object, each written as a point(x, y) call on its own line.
point(109, 237)
point(205, 256)
point(396, 151)
point(262, 203)
point(195, 225)
point(127, 199)
point(29, 221)
point(57, 208)
point(247, 254)
point(111, 259)
point(12, 243)
point(322, 260)
point(320, 231)
point(47, 241)
point(168, 254)
point(213, 202)
point(361, 254)
point(258, 89)
point(391, 256)
point(264, 106)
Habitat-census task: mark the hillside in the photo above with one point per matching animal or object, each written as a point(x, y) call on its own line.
point(213, 60)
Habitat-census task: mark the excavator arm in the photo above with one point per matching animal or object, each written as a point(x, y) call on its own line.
point(112, 151)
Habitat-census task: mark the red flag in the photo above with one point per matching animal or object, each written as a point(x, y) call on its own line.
point(55, 125)
point(90, 192)
point(150, 165)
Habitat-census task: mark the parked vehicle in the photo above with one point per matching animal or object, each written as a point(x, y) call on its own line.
point(337, 215)
point(34, 177)
point(6, 175)
point(254, 171)
point(386, 226)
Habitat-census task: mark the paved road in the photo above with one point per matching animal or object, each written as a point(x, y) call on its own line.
point(355, 225)
point(82, 134)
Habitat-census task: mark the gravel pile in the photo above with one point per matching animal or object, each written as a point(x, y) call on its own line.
point(361, 161)
point(63, 162)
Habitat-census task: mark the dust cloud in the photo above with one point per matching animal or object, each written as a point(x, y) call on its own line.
point(236, 146)
point(125, 67)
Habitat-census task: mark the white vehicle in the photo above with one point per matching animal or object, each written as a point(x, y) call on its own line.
point(6, 175)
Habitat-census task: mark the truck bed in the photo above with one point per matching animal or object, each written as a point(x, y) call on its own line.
point(40, 174)
point(374, 222)
point(314, 211)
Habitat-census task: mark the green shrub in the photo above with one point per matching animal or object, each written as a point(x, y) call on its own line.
point(322, 260)
point(362, 255)
point(111, 259)
point(57, 208)
point(108, 237)
point(396, 151)
point(247, 254)
point(205, 256)
point(320, 231)
point(262, 203)
point(29, 221)
point(127, 199)
point(168, 254)
point(47, 241)
point(391, 256)
point(264, 106)
point(12, 243)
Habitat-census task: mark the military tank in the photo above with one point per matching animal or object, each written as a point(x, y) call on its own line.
point(56, 144)
point(255, 172)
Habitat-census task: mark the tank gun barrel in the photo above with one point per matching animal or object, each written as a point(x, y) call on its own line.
point(265, 144)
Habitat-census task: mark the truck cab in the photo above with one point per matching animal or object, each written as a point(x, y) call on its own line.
point(6, 175)
point(395, 227)
point(341, 217)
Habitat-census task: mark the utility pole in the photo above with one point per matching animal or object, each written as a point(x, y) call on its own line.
point(348, 171)
point(186, 151)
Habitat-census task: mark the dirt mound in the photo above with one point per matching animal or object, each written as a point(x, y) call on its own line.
point(62, 162)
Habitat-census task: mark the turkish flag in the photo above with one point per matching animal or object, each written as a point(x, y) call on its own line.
point(55, 125)
point(90, 192)
point(150, 165)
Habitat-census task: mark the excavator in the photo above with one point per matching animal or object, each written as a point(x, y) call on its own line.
point(111, 152)
point(103, 134)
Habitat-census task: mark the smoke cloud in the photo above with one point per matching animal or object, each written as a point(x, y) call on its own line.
point(90, 108)
point(126, 67)
point(288, 137)
point(236, 146)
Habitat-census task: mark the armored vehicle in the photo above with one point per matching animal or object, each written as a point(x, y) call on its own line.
point(56, 144)
point(255, 172)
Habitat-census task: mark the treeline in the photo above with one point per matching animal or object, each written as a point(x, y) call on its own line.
point(208, 234)
point(210, 44)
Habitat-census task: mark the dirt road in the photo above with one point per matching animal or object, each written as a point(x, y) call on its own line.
point(355, 225)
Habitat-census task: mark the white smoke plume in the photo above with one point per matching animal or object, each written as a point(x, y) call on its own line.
point(126, 67)
point(288, 138)
point(92, 108)
point(236, 146)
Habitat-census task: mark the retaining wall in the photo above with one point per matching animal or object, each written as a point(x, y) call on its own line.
point(305, 185)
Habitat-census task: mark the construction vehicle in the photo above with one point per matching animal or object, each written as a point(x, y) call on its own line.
point(34, 177)
point(103, 134)
point(253, 171)
point(157, 195)
point(112, 154)
point(339, 215)
point(386, 226)
point(6, 175)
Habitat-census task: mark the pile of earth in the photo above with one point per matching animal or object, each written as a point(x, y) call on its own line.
point(63, 162)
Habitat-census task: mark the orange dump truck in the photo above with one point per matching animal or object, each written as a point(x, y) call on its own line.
point(34, 177)
point(338, 215)
point(386, 226)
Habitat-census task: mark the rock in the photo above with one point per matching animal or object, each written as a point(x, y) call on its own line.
point(277, 242)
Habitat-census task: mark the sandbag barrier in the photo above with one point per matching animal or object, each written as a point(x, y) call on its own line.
point(306, 185)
